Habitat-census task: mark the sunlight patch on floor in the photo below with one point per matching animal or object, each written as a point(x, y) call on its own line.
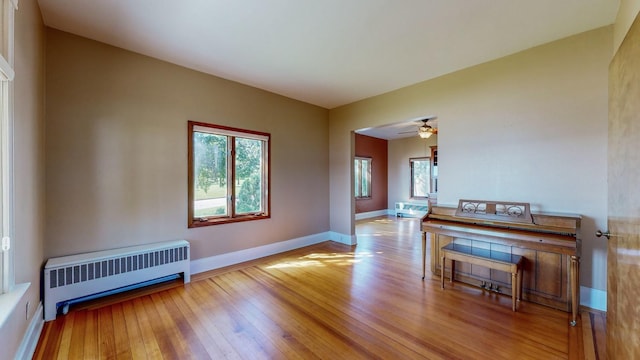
point(296, 264)
point(384, 221)
point(325, 259)
point(388, 227)
point(381, 233)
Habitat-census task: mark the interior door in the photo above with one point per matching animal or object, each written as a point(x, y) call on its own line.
point(623, 262)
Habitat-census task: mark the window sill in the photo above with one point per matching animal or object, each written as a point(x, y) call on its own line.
point(10, 300)
point(218, 221)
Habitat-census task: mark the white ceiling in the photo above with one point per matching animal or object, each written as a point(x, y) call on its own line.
point(399, 130)
point(327, 52)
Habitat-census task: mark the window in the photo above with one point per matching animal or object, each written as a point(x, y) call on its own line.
point(420, 177)
point(228, 174)
point(6, 127)
point(362, 177)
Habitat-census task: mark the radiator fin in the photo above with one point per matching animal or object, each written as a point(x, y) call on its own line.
point(89, 271)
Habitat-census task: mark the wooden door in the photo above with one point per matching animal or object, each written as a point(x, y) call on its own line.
point(623, 262)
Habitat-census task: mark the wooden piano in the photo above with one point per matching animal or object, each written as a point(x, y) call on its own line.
point(549, 244)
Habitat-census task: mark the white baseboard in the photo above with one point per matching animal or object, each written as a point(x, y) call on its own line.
point(343, 238)
point(30, 340)
point(236, 257)
point(593, 298)
point(371, 214)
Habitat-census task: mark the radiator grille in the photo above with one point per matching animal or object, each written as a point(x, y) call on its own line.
point(123, 264)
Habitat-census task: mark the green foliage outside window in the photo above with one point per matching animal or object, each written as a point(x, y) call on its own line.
point(211, 174)
point(210, 160)
point(248, 175)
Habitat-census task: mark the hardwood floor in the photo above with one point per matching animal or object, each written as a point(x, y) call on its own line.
point(326, 301)
point(594, 334)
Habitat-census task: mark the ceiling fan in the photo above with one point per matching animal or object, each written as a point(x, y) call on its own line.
point(425, 130)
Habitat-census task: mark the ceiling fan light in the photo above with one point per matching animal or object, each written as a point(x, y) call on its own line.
point(425, 131)
point(425, 134)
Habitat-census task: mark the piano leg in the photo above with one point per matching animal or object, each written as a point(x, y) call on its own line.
point(424, 254)
point(514, 289)
point(575, 289)
point(442, 272)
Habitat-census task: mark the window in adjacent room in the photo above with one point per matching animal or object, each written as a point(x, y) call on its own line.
point(228, 174)
point(362, 176)
point(420, 177)
point(6, 127)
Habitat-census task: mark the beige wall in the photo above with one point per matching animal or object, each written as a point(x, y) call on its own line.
point(627, 12)
point(28, 170)
point(400, 151)
point(117, 152)
point(528, 127)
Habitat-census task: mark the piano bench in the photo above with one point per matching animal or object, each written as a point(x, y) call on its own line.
point(492, 259)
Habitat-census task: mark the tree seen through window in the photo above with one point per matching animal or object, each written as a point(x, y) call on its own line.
point(228, 174)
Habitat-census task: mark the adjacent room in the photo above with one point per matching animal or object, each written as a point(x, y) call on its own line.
point(277, 170)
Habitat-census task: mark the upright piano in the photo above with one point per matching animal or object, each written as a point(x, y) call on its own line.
point(549, 243)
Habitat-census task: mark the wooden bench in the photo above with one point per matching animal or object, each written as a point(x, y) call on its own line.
point(484, 257)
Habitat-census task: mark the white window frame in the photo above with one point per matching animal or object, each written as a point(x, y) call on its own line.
point(364, 176)
point(7, 74)
point(412, 185)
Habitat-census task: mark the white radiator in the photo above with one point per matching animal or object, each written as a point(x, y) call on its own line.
point(411, 209)
point(76, 276)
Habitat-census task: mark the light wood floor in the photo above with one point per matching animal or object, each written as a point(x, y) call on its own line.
point(328, 301)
